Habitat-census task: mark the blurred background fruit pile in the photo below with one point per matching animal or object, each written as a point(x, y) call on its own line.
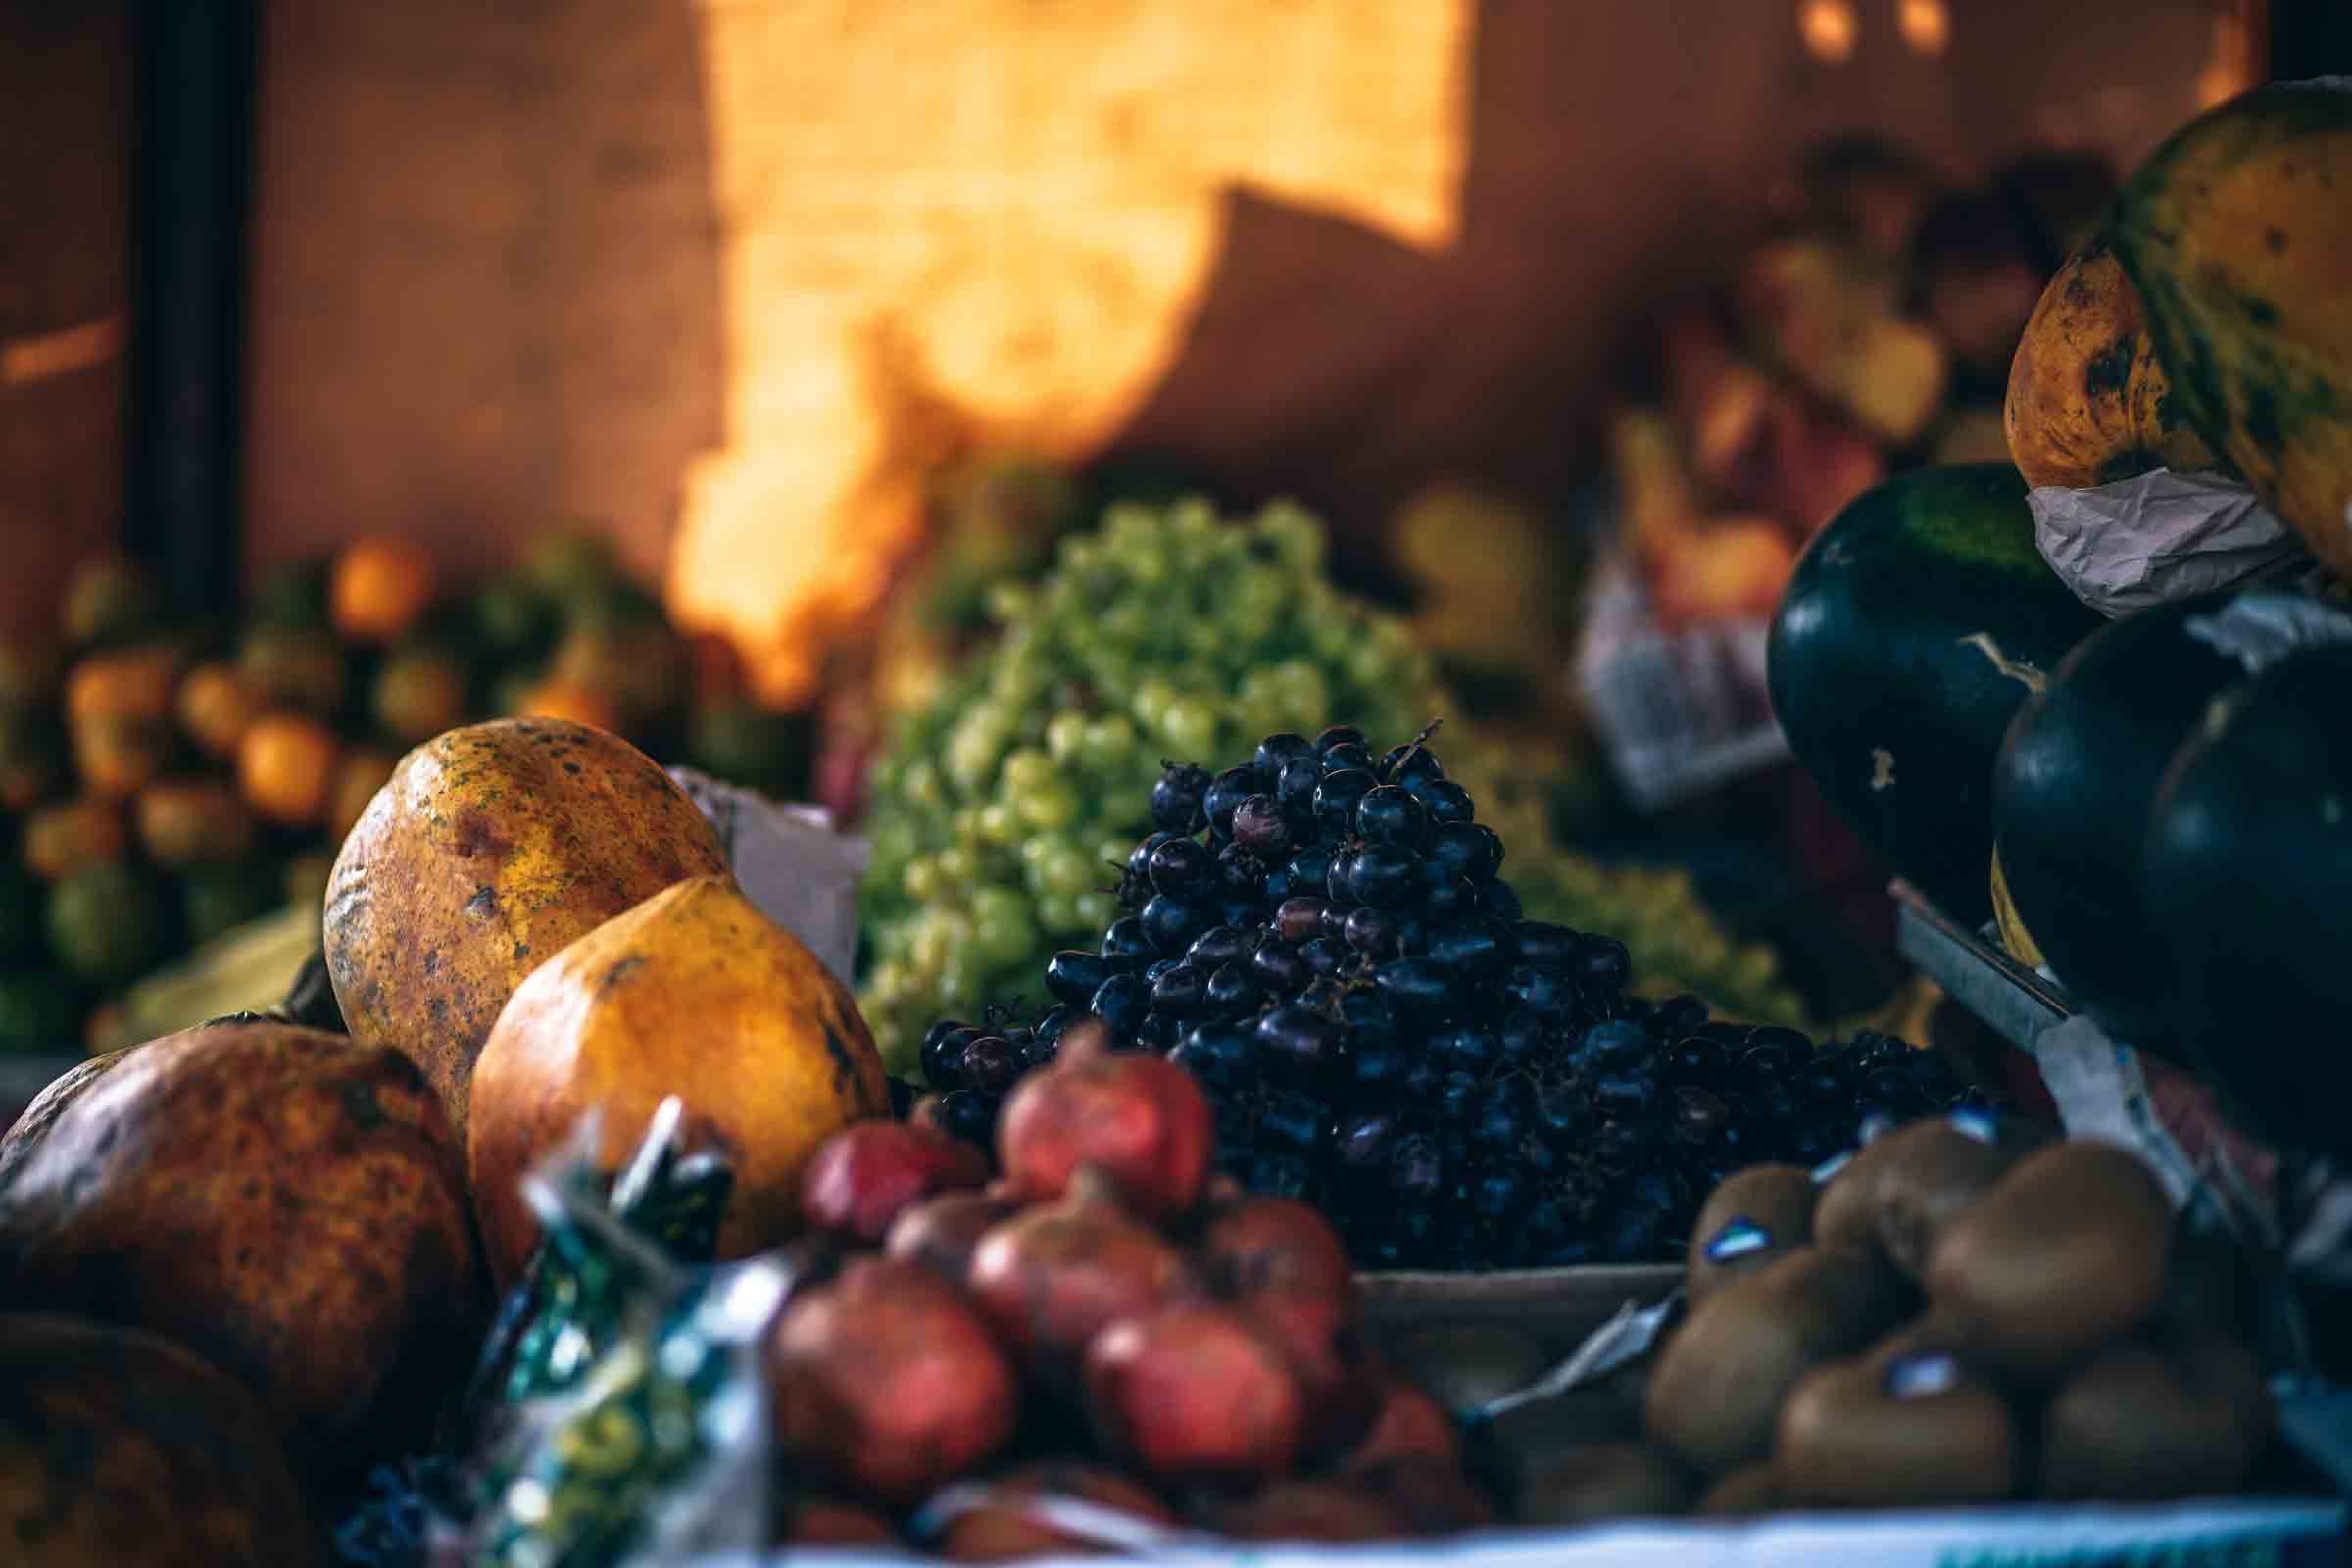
point(171, 779)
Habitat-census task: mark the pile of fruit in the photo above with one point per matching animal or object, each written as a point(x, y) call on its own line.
point(1965, 1313)
point(1103, 1297)
point(1326, 941)
point(1005, 809)
point(2139, 777)
point(171, 781)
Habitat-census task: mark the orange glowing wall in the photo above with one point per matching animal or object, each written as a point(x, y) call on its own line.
point(722, 278)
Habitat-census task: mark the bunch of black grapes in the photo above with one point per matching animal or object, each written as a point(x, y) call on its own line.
point(1326, 941)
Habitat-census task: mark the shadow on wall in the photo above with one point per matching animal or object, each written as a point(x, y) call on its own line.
point(492, 272)
point(485, 289)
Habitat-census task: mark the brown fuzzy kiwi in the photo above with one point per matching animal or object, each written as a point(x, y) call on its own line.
point(1574, 1486)
point(1753, 1217)
point(1749, 1489)
point(1902, 1190)
point(2147, 1420)
point(1717, 1390)
point(1906, 1423)
point(2068, 1253)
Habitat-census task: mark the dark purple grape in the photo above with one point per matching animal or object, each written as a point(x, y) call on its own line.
point(1535, 1155)
point(1055, 1020)
point(1277, 887)
point(1157, 968)
point(1218, 945)
point(1503, 1123)
point(1417, 988)
point(1295, 788)
point(1139, 859)
point(1126, 944)
point(1181, 868)
point(1232, 990)
point(1539, 991)
point(1696, 1059)
point(1334, 922)
point(1324, 996)
point(1338, 888)
point(1222, 1055)
point(1232, 787)
point(1387, 815)
point(1564, 1111)
point(1042, 1050)
point(1377, 1068)
point(1459, 1099)
point(1279, 969)
point(1120, 1001)
point(1469, 850)
point(1546, 946)
point(1473, 947)
point(1604, 962)
point(1181, 991)
point(1625, 1095)
point(1500, 900)
point(1300, 1047)
point(1351, 758)
point(1074, 975)
point(1311, 870)
point(1768, 1063)
point(1275, 750)
point(1416, 1169)
point(1293, 1123)
point(1176, 799)
point(1499, 1196)
point(1336, 798)
point(945, 1069)
point(1521, 1039)
point(968, 1115)
point(1620, 1143)
point(1282, 1176)
point(1444, 800)
point(1241, 911)
point(1300, 919)
point(1362, 1143)
point(1339, 735)
point(1699, 1115)
point(1159, 1030)
point(1369, 1017)
point(990, 1063)
point(1678, 1016)
point(1446, 898)
point(1172, 923)
point(1412, 760)
point(1422, 1078)
point(1466, 1049)
point(1240, 873)
point(1372, 933)
point(1383, 875)
point(1412, 937)
point(1259, 826)
point(1323, 956)
point(1609, 1046)
point(942, 1041)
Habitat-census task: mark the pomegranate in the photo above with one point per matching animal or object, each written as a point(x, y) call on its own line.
point(1406, 1422)
point(1053, 1278)
point(1327, 1356)
point(1001, 1529)
point(887, 1381)
point(1308, 1511)
point(941, 1233)
point(1192, 1392)
point(825, 1522)
point(863, 1176)
point(1141, 1120)
point(1276, 1244)
point(1434, 1495)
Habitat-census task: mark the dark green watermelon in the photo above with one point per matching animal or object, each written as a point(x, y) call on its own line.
point(2248, 876)
point(2070, 796)
point(1916, 625)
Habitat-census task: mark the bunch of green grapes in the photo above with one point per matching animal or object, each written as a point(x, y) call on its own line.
point(1004, 810)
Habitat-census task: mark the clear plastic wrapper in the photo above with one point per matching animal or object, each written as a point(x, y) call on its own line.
point(794, 865)
point(2161, 535)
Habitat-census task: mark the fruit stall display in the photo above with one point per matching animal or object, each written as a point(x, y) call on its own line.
point(170, 780)
point(569, 1212)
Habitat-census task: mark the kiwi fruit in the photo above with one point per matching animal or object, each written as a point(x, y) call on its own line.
point(1753, 1489)
point(2066, 1253)
point(2152, 1420)
point(1717, 1390)
point(1905, 1424)
point(1751, 1218)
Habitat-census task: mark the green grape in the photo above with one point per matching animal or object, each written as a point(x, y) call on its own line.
point(1004, 806)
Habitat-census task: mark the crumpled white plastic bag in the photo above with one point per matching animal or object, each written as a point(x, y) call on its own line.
point(2138, 542)
point(794, 865)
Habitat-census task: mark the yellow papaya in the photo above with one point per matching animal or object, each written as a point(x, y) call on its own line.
point(2088, 401)
point(2238, 233)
